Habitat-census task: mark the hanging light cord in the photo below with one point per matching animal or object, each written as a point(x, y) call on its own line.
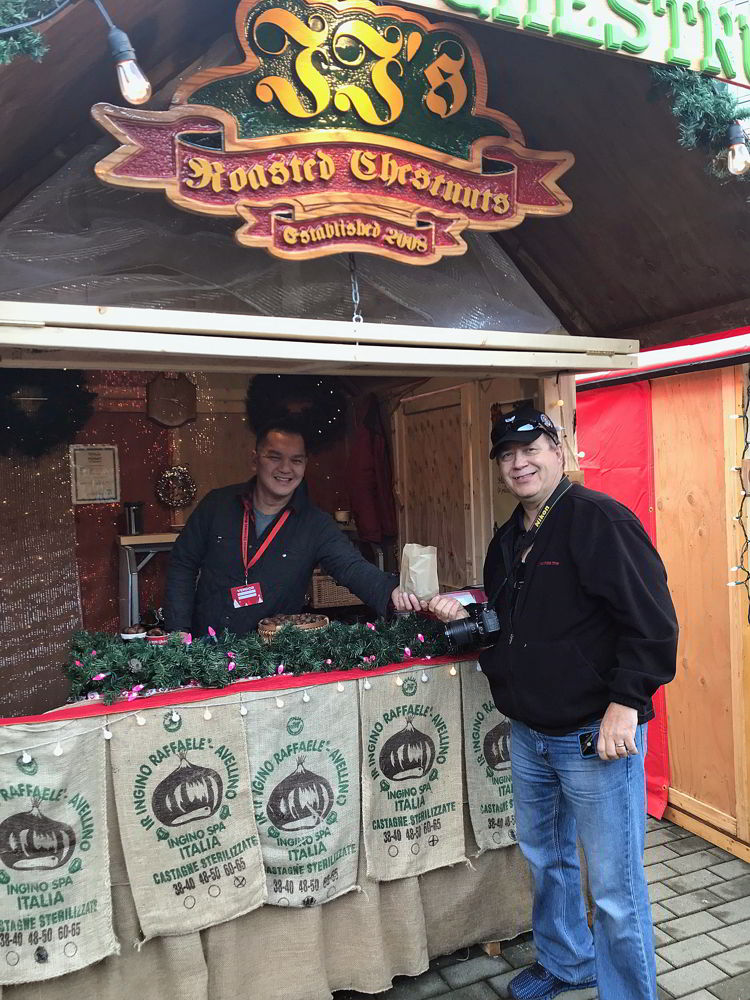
point(56, 10)
point(37, 20)
point(742, 565)
point(105, 15)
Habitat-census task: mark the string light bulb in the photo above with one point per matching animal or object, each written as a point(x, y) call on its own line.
point(738, 157)
point(133, 82)
point(58, 751)
point(367, 684)
point(106, 732)
point(140, 719)
point(339, 687)
point(425, 678)
point(207, 715)
point(26, 757)
point(305, 697)
point(243, 710)
point(453, 671)
point(279, 703)
point(400, 680)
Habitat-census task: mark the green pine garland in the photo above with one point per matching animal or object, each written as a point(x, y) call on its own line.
point(25, 41)
point(126, 665)
point(704, 108)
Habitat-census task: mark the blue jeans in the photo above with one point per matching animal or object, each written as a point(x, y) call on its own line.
point(559, 793)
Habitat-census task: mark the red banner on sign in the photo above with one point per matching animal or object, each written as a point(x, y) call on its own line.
point(311, 195)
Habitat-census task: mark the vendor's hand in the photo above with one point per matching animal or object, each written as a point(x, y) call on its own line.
point(405, 602)
point(617, 732)
point(447, 609)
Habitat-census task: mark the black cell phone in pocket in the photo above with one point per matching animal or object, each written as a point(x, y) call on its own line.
point(588, 743)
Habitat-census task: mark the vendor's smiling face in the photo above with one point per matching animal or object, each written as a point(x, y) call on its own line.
point(531, 470)
point(280, 463)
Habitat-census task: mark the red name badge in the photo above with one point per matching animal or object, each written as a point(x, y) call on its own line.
point(248, 593)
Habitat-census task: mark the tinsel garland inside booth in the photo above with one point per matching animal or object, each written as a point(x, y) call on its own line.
point(104, 666)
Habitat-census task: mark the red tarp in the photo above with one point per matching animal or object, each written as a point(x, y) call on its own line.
point(614, 431)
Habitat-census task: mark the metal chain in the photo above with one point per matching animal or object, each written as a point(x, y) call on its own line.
point(357, 316)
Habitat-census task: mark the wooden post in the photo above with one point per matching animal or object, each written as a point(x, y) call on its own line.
point(732, 384)
point(558, 398)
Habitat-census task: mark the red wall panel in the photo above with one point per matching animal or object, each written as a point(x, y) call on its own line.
point(614, 431)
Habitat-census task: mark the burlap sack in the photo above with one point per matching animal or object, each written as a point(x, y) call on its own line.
point(304, 765)
point(419, 573)
point(411, 773)
point(487, 756)
point(183, 802)
point(55, 895)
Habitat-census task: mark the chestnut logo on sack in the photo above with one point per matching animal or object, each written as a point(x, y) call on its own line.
point(408, 754)
point(497, 746)
point(31, 841)
point(190, 793)
point(301, 801)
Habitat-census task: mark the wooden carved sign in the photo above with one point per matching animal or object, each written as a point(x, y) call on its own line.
point(349, 126)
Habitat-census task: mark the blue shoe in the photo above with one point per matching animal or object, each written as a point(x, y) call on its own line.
point(535, 983)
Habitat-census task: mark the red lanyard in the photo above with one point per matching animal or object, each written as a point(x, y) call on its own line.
point(246, 537)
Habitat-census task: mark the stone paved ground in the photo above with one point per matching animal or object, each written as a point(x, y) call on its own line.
point(700, 901)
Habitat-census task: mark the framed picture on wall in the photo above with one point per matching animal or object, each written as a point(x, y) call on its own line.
point(94, 473)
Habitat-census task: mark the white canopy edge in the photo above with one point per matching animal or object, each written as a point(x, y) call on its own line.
point(272, 327)
point(48, 335)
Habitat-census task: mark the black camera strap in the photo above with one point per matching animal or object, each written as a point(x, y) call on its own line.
point(526, 539)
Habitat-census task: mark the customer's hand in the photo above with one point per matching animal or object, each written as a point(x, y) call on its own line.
point(405, 602)
point(617, 732)
point(447, 609)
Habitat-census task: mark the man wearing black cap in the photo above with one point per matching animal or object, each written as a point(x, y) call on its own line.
point(588, 635)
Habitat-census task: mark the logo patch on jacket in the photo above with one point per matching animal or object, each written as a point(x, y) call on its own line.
point(548, 562)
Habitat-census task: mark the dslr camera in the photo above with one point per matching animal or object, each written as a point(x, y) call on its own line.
point(481, 628)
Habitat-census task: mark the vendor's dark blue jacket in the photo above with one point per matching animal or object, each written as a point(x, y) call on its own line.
point(210, 544)
point(593, 621)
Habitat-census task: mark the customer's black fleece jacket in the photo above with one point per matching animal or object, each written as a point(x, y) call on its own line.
point(209, 551)
point(593, 622)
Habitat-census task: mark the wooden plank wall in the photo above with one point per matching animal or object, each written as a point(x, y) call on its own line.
point(433, 451)
point(447, 489)
point(696, 490)
point(216, 447)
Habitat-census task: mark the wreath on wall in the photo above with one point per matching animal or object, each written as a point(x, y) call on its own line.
point(316, 402)
point(58, 406)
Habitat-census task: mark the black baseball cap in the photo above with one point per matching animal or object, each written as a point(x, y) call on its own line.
point(520, 426)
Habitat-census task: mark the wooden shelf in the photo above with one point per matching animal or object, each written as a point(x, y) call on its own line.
point(162, 539)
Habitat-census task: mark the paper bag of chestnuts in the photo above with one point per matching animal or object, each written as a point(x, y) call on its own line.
point(419, 573)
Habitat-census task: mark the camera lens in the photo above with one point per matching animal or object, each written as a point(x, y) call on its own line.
point(462, 633)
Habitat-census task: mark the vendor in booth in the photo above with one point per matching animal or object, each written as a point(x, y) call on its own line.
point(248, 550)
